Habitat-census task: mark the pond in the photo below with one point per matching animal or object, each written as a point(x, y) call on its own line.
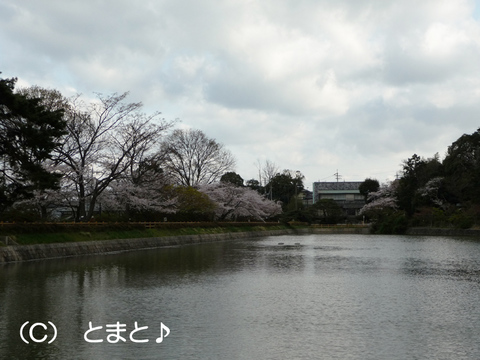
point(283, 297)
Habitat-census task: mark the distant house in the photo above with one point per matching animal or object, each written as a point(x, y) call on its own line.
point(306, 197)
point(345, 194)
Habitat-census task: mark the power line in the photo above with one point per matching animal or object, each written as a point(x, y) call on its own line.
point(337, 175)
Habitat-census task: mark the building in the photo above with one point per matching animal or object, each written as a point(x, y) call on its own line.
point(345, 194)
point(305, 197)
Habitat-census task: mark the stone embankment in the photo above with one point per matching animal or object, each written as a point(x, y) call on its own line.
point(17, 253)
point(430, 231)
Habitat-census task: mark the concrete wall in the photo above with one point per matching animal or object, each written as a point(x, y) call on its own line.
point(18, 253)
point(420, 231)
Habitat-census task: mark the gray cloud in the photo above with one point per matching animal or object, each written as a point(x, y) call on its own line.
point(312, 85)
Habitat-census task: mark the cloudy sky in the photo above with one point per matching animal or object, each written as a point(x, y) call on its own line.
point(312, 85)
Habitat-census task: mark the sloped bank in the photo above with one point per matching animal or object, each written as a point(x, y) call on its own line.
point(18, 253)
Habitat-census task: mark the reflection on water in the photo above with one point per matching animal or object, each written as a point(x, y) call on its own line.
point(313, 297)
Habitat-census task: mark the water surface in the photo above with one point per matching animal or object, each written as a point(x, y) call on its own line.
point(313, 297)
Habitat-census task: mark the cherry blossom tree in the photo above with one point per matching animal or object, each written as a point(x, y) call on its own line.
point(234, 202)
point(383, 210)
point(124, 196)
point(105, 139)
point(144, 186)
point(381, 201)
point(431, 191)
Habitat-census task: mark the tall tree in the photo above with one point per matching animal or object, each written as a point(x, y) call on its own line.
point(194, 159)
point(232, 178)
point(105, 140)
point(45, 200)
point(368, 186)
point(417, 172)
point(29, 132)
point(144, 188)
point(266, 172)
point(462, 168)
point(51, 99)
point(255, 185)
point(409, 183)
point(286, 185)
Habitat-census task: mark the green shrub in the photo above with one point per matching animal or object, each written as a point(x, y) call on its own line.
point(462, 220)
point(392, 223)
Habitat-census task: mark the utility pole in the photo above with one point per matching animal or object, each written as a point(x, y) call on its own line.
point(337, 176)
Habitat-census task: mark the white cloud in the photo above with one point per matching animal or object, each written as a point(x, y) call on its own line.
point(314, 85)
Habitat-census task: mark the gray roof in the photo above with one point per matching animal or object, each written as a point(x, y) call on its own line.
point(345, 185)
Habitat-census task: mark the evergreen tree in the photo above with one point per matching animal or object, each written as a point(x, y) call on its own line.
point(28, 134)
point(462, 168)
point(232, 178)
point(368, 186)
point(286, 185)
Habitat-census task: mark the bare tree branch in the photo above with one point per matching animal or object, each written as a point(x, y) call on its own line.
point(105, 140)
point(194, 159)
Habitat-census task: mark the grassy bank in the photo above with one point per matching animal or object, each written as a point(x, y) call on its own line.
point(58, 233)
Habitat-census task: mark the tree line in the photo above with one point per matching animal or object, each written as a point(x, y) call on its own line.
point(431, 191)
point(104, 158)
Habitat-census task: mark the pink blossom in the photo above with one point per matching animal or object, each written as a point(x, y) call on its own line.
point(234, 201)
